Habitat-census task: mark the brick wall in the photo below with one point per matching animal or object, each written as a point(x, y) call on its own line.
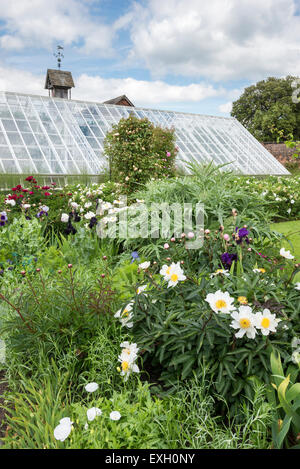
point(283, 154)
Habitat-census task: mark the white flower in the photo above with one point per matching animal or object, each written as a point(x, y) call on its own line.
point(125, 315)
point(129, 352)
point(92, 413)
point(88, 204)
point(74, 205)
point(127, 359)
point(296, 356)
point(266, 322)
point(220, 272)
point(144, 265)
point(286, 254)
point(289, 210)
point(91, 387)
point(297, 286)
point(86, 426)
point(141, 289)
point(26, 206)
point(63, 430)
point(89, 215)
point(259, 271)
point(244, 320)
point(45, 208)
point(115, 415)
point(64, 217)
point(11, 202)
point(292, 201)
point(295, 342)
point(173, 274)
point(220, 302)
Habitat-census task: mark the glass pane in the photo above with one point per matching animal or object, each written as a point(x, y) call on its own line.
point(9, 125)
point(20, 152)
point(41, 138)
point(29, 139)
point(27, 166)
point(42, 167)
point(35, 153)
point(2, 139)
point(5, 153)
point(18, 114)
point(14, 138)
point(10, 166)
point(35, 126)
point(4, 111)
point(23, 126)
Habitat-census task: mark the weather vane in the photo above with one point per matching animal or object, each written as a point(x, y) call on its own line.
point(59, 55)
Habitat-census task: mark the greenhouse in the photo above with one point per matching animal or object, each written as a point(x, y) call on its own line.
point(49, 135)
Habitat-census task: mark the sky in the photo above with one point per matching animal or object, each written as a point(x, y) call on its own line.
point(183, 55)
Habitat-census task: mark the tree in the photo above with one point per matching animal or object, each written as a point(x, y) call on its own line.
point(267, 108)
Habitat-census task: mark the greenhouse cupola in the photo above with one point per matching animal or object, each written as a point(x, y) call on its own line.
point(59, 83)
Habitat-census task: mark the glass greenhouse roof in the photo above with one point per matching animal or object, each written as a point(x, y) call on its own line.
point(59, 136)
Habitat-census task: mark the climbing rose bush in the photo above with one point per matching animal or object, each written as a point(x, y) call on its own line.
point(138, 151)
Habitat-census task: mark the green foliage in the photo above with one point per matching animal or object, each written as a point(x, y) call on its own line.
point(185, 420)
point(21, 241)
point(138, 151)
point(266, 105)
point(286, 426)
point(57, 310)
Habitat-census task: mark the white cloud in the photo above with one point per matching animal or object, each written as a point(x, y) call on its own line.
point(12, 79)
point(142, 93)
point(219, 39)
point(96, 88)
point(226, 107)
point(38, 23)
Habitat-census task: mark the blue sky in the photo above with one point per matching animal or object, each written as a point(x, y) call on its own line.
point(184, 55)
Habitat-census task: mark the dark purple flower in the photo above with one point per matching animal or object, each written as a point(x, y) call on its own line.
point(242, 234)
point(3, 218)
point(93, 222)
point(228, 258)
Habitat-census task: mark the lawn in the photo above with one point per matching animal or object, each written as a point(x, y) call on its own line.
point(291, 230)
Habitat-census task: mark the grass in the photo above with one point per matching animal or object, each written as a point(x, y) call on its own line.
point(291, 230)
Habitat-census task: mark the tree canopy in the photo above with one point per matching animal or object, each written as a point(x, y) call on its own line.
point(268, 111)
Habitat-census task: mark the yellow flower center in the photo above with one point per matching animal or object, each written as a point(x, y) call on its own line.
point(221, 304)
point(127, 350)
point(125, 366)
point(265, 322)
point(262, 270)
point(244, 323)
point(219, 271)
point(174, 277)
point(125, 313)
point(168, 270)
point(243, 300)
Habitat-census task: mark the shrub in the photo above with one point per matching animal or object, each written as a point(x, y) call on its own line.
point(138, 151)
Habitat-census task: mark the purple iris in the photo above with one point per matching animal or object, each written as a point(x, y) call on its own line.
point(93, 222)
point(3, 218)
point(41, 213)
point(242, 234)
point(134, 255)
point(228, 258)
